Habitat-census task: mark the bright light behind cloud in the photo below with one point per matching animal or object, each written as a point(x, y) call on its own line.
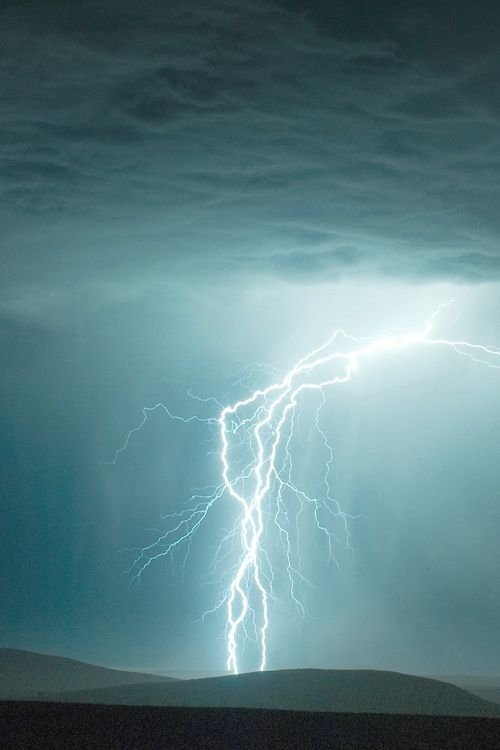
point(259, 445)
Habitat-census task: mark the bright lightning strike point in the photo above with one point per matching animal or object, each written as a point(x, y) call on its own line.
point(256, 475)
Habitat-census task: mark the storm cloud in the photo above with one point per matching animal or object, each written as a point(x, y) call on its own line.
point(324, 141)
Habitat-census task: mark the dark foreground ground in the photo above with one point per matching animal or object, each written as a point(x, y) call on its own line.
point(56, 725)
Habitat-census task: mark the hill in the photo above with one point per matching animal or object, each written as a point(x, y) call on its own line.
point(25, 674)
point(366, 691)
point(487, 687)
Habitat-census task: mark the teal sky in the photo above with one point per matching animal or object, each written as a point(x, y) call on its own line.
point(188, 191)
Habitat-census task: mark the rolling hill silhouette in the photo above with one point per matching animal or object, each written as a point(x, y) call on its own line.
point(358, 691)
point(25, 674)
point(485, 686)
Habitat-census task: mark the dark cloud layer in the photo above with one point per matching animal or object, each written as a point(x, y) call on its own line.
point(262, 136)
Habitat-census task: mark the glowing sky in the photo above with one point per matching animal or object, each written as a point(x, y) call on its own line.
point(187, 190)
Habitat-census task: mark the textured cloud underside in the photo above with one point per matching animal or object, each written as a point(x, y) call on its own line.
point(247, 137)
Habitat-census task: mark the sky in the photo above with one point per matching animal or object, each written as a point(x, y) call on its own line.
point(187, 190)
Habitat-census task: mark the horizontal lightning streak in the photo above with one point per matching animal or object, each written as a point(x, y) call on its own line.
point(261, 427)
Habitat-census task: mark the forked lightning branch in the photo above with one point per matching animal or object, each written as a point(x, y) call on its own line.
point(255, 455)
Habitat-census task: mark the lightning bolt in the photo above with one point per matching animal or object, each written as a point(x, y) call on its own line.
point(255, 456)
